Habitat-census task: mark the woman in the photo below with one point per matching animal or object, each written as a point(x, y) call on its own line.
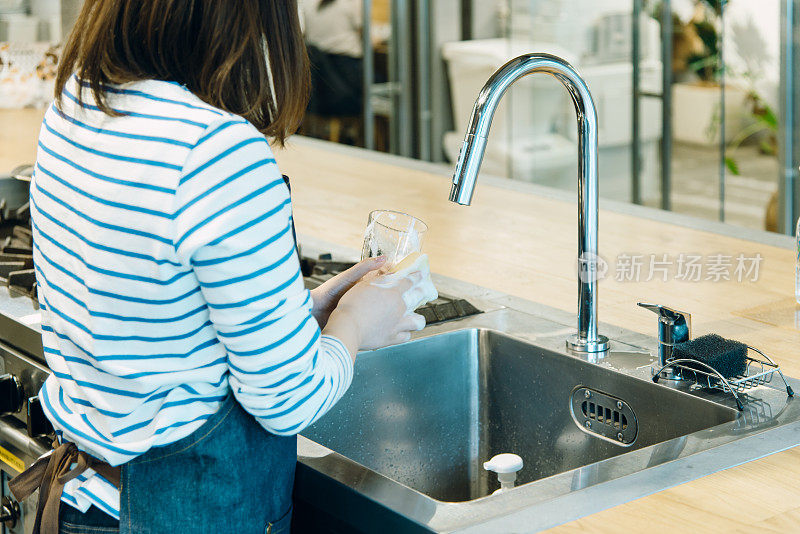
point(182, 343)
point(333, 34)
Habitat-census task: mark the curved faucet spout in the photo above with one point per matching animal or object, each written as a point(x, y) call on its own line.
point(469, 161)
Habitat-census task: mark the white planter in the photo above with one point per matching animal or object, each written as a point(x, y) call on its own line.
point(696, 113)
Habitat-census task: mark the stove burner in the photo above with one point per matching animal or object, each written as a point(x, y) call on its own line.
point(16, 250)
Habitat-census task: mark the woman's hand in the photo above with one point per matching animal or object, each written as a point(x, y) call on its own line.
point(326, 296)
point(372, 314)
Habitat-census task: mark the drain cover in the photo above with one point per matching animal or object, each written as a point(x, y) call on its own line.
point(604, 416)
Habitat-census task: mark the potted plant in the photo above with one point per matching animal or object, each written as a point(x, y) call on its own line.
point(763, 128)
point(698, 67)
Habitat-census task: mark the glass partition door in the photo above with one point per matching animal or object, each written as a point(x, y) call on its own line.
point(688, 94)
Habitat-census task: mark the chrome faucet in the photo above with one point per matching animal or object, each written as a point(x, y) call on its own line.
point(469, 161)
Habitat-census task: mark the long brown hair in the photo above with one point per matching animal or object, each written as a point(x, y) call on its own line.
point(244, 56)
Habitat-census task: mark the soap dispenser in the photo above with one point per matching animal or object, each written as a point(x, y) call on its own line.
point(673, 327)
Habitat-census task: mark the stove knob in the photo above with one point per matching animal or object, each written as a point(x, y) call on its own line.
point(38, 425)
point(11, 394)
point(9, 512)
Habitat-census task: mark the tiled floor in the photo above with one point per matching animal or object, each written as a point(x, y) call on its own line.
point(695, 184)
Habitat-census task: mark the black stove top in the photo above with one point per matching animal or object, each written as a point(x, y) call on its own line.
point(16, 250)
point(445, 308)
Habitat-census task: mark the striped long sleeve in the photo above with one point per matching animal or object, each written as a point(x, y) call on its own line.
point(167, 278)
point(235, 233)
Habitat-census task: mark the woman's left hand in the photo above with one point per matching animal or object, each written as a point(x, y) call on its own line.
point(326, 296)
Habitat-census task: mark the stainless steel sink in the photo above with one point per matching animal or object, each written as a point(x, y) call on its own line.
point(403, 450)
point(429, 413)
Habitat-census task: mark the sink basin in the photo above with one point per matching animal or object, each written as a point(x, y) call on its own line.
point(429, 413)
point(403, 450)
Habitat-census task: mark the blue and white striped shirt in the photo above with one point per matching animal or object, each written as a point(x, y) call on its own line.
point(168, 275)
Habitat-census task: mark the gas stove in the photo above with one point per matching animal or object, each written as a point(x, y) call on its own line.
point(22, 370)
point(24, 429)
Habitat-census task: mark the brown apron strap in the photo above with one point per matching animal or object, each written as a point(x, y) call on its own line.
point(49, 474)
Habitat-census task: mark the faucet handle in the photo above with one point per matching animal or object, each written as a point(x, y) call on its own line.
point(674, 326)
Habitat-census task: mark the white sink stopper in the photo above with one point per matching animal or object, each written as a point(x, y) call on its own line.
point(506, 466)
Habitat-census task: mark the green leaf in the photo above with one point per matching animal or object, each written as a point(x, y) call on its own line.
point(705, 66)
point(708, 34)
point(732, 166)
point(769, 118)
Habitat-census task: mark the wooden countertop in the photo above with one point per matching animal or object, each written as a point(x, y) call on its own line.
point(525, 245)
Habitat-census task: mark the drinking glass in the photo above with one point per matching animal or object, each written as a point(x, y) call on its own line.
point(393, 234)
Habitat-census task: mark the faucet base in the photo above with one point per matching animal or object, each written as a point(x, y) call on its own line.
point(672, 374)
point(576, 344)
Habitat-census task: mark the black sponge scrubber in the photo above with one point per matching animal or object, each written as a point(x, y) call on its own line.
point(727, 356)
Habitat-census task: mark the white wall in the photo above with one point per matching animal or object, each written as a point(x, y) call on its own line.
point(752, 42)
point(565, 22)
point(752, 31)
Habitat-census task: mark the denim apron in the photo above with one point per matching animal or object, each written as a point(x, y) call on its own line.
point(230, 475)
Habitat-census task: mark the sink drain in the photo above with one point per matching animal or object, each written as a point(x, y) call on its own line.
point(604, 416)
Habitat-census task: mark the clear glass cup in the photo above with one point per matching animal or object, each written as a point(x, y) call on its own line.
point(393, 234)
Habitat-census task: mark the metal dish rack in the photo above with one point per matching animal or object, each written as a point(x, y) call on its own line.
point(757, 373)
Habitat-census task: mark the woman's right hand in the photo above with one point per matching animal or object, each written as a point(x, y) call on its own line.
point(372, 314)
